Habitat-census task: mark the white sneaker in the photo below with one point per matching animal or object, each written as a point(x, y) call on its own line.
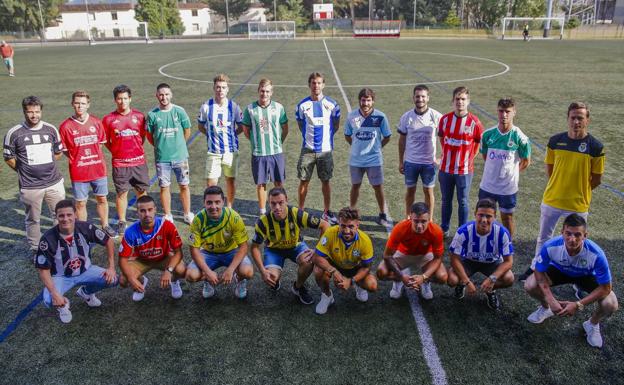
point(397, 290)
point(360, 294)
point(240, 288)
point(138, 296)
point(540, 315)
point(176, 290)
point(90, 299)
point(425, 290)
point(326, 300)
point(188, 218)
point(168, 217)
point(593, 334)
point(65, 314)
point(208, 291)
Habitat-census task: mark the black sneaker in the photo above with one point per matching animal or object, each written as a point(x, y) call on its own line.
point(277, 285)
point(523, 277)
point(460, 291)
point(110, 231)
point(121, 228)
point(382, 220)
point(303, 294)
point(492, 300)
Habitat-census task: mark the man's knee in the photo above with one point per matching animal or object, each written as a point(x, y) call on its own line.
point(609, 304)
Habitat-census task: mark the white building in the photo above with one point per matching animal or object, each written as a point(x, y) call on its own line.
point(196, 18)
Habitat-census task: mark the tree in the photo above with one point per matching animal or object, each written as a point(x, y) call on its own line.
point(23, 15)
point(162, 16)
point(235, 8)
point(452, 20)
point(349, 6)
point(292, 10)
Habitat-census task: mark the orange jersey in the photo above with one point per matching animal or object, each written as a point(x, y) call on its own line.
point(6, 51)
point(405, 240)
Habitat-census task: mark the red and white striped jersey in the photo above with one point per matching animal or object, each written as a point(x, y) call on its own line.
point(458, 136)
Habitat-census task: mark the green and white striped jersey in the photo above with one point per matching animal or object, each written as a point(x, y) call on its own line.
point(265, 127)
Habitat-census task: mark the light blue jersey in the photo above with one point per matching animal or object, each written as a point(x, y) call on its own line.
point(590, 261)
point(366, 135)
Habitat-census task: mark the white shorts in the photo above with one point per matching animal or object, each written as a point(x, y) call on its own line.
point(415, 261)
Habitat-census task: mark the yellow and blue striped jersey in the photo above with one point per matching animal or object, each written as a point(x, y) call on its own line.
point(284, 234)
point(218, 236)
point(358, 252)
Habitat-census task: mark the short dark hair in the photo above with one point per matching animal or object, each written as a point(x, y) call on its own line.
point(365, 93)
point(460, 90)
point(275, 191)
point(506, 103)
point(162, 85)
point(31, 101)
point(420, 87)
point(65, 203)
point(420, 208)
point(574, 220)
point(486, 203)
point(214, 190)
point(349, 214)
point(122, 89)
point(145, 199)
point(578, 106)
point(315, 75)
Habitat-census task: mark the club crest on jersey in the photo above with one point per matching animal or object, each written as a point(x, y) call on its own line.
point(192, 238)
point(43, 245)
point(120, 247)
point(356, 253)
point(583, 262)
point(315, 221)
point(74, 264)
point(92, 129)
point(582, 147)
point(511, 143)
point(227, 234)
point(324, 241)
point(134, 119)
point(424, 242)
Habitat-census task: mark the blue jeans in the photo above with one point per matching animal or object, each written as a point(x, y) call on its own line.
point(448, 183)
point(92, 279)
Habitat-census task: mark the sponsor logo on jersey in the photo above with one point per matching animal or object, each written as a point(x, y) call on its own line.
point(324, 241)
point(41, 259)
point(43, 245)
point(365, 135)
point(315, 221)
point(99, 234)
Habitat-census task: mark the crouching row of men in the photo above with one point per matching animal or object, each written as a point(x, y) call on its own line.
point(343, 255)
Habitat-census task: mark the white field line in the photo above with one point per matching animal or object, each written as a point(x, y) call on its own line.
point(342, 91)
point(429, 348)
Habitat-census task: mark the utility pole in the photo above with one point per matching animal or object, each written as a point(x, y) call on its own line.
point(274, 10)
point(227, 18)
point(548, 14)
point(414, 18)
point(43, 35)
point(88, 23)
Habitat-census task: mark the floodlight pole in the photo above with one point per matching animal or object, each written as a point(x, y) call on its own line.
point(274, 10)
point(43, 35)
point(392, 12)
point(370, 10)
point(227, 18)
point(88, 22)
point(548, 14)
point(414, 18)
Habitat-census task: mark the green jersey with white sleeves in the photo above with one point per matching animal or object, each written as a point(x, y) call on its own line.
point(502, 159)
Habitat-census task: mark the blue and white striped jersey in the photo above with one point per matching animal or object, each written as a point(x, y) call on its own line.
point(220, 122)
point(590, 261)
point(316, 120)
point(490, 248)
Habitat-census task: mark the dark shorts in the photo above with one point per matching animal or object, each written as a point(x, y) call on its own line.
point(471, 267)
point(268, 168)
point(588, 282)
point(506, 203)
point(426, 172)
point(324, 162)
point(126, 177)
point(349, 273)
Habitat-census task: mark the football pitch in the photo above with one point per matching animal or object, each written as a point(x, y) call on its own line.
point(269, 338)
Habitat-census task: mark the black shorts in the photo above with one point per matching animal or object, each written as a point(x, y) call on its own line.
point(588, 282)
point(349, 273)
point(126, 177)
point(471, 267)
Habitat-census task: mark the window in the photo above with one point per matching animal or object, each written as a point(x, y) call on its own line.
point(114, 15)
point(194, 12)
point(92, 15)
point(195, 27)
point(116, 32)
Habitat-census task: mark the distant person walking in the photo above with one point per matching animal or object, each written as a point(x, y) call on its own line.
point(6, 51)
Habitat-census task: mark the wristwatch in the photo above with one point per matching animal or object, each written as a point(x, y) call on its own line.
point(580, 306)
point(493, 278)
point(170, 269)
point(331, 272)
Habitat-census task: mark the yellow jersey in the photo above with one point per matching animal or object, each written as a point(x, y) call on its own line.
point(356, 253)
point(573, 160)
point(218, 236)
point(284, 234)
